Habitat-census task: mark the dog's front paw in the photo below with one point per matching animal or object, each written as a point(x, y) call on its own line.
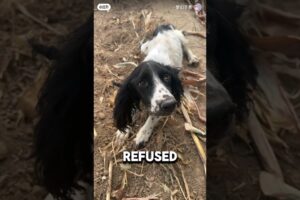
point(142, 138)
point(121, 137)
point(193, 60)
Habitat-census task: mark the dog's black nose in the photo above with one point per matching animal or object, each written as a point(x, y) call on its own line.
point(168, 105)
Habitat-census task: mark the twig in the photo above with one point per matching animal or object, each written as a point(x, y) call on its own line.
point(147, 20)
point(114, 152)
point(165, 122)
point(115, 75)
point(191, 73)
point(198, 110)
point(193, 129)
point(185, 184)
point(195, 138)
point(194, 33)
point(103, 89)
point(178, 182)
point(194, 82)
point(22, 9)
point(119, 193)
point(108, 191)
point(133, 24)
point(265, 150)
point(174, 192)
point(139, 175)
point(119, 65)
point(151, 197)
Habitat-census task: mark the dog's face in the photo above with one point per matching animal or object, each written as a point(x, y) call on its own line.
point(155, 85)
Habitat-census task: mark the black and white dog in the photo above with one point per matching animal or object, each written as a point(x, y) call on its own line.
point(64, 132)
point(154, 82)
point(231, 72)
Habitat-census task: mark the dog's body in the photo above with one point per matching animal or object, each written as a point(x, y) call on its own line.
point(63, 134)
point(168, 47)
point(231, 73)
point(154, 82)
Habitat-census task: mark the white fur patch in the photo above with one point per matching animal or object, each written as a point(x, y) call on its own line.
point(160, 93)
point(145, 132)
point(165, 48)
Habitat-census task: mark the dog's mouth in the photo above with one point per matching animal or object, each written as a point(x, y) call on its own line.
point(162, 113)
point(165, 108)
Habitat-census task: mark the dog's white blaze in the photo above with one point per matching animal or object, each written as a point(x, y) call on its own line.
point(165, 48)
point(160, 92)
point(145, 132)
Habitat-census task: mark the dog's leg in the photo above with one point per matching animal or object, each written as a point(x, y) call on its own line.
point(145, 132)
point(145, 47)
point(121, 136)
point(191, 58)
point(188, 54)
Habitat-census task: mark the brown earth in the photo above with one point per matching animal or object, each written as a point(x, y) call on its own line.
point(117, 39)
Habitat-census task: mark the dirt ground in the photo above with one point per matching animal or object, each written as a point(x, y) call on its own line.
point(117, 39)
point(21, 74)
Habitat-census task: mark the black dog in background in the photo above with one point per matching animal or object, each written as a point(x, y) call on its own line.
point(231, 72)
point(63, 134)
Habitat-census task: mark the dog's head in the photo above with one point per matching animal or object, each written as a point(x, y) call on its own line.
point(157, 86)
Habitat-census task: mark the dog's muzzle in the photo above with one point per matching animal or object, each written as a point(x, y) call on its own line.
point(166, 106)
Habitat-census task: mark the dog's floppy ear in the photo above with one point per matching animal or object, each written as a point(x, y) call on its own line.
point(177, 89)
point(125, 102)
point(63, 135)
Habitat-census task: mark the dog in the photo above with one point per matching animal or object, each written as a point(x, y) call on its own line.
point(154, 82)
point(63, 135)
point(231, 73)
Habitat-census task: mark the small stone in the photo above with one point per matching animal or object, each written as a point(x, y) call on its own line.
point(101, 116)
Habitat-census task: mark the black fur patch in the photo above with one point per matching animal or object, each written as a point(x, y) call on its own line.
point(228, 57)
point(162, 28)
point(64, 132)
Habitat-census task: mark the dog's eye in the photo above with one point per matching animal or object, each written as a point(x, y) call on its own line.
point(143, 84)
point(167, 78)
